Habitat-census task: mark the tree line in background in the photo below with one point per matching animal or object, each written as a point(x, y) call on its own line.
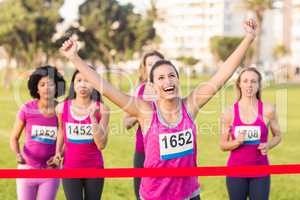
point(110, 32)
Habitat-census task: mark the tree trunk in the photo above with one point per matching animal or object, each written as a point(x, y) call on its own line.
point(7, 75)
point(110, 61)
point(257, 43)
point(287, 23)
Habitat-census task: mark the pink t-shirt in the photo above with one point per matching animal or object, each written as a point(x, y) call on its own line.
point(40, 135)
point(80, 148)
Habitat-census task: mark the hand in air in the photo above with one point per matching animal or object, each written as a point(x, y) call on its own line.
point(250, 27)
point(69, 48)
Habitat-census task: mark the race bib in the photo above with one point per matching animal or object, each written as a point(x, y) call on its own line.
point(176, 145)
point(44, 134)
point(79, 133)
point(252, 134)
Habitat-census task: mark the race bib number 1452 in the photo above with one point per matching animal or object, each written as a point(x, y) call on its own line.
point(79, 133)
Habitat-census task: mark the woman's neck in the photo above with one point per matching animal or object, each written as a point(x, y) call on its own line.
point(168, 106)
point(46, 103)
point(82, 102)
point(46, 106)
point(246, 101)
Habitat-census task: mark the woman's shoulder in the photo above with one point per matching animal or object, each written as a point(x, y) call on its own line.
point(269, 109)
point(228, 114)
point(30, 103)
point(59, 107)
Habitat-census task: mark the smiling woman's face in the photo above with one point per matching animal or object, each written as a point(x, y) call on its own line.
point(165, 82)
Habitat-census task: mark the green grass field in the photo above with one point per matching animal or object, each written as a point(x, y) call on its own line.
point(119, 151)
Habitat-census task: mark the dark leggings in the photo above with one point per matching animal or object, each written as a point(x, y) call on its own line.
point(256, 188)
point(83, 189)
point(138, 162)
point(196, 198)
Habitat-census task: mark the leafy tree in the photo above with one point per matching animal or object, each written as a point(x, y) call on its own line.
point(259, 7)
point(190, 61)
point(279, 51)
point(111, 32)
point(26, 29)
point(221, 47)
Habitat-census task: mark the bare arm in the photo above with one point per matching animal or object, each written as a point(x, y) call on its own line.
point(129, 104)
point(129, 121)
point(275, 129)
point(60, 134)
point(57, 159)
point(226, 143)
point(201, 95)
point(100, 130)
point(14, 140)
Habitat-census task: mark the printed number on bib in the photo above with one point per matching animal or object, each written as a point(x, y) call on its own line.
point(45, 134)
point(176, 145)
point(79, 133)
point(252, 134)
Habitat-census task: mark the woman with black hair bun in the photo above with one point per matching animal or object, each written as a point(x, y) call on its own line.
point(37, 117)
point(83, 128)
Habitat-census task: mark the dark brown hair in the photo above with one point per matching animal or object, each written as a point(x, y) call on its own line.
point(159, 63)
point(46, 71)
point(95, 95)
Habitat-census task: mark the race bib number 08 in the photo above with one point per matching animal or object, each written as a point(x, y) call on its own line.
point(252, 134)
point(44, 134)
point(176, 145)
point(79, 133)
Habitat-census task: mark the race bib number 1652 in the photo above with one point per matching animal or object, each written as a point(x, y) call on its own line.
point(176, 145)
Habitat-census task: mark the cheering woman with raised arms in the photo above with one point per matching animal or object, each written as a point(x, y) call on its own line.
point(168, 122)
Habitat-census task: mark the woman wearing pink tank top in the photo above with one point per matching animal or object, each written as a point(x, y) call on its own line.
point(245, 135)
point(144, 91)
point(37, 117)
point(83, 122)
point(167, 123)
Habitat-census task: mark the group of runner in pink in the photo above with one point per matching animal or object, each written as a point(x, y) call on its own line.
point(71, 134)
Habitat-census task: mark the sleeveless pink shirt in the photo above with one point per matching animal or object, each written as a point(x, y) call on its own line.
point(170, 147)
point(256, 133)
point(80, 148)
point(139, 143)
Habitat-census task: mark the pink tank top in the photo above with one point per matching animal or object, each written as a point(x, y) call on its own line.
point(40, 135)
point(170, 147)
point(80, 148)
point(256, 133)
point(139, 143)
